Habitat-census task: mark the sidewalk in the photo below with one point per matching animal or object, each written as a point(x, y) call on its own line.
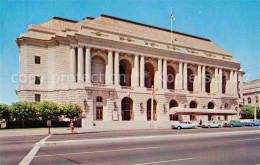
point(54, 131)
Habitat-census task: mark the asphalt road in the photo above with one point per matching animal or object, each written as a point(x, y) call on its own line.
point(242, 148)
point(14, 149)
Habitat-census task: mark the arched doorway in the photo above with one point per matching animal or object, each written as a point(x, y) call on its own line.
point(127, 109)
point(149, 75)
point(170, 77)
point(190, 78)
point(193, 104)
point(224, 83)
point(173, 103)
point(98, 70)
point(211, 105)
point(125, 72)
point(208, 81)
point(149, 109)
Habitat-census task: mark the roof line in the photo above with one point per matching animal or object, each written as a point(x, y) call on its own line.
point(155, 27)
point(65, 19)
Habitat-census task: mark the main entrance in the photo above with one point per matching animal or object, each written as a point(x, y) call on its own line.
point(127, 109)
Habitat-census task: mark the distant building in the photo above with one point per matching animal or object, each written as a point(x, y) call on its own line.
point(251, 93)
point(109, 65)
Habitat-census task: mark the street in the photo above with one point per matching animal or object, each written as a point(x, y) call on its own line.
point(160, 146)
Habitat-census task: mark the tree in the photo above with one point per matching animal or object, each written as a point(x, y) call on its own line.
point(5, 112)
point(23, 111)
point(71, 110)
point(247, 112)
point(48, 110)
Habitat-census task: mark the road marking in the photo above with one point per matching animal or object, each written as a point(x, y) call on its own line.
point(165, 161)
point(107, 140)
point(29, 157)
point(242, 140)
point(92, 152)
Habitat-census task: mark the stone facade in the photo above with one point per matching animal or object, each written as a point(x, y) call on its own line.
point(251, 93)
point(205, 79)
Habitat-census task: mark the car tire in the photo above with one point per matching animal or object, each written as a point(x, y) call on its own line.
point(192, 127)
point(219, 126)
point(179, 127)
point(231, 126)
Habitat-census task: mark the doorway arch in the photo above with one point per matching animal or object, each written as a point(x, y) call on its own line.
point(127, 109)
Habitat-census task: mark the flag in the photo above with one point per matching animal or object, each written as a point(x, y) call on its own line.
point(172, 16)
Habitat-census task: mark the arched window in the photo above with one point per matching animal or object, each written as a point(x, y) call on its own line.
point(98, 70)
point(249, 100)
point(173, 103)
point(127, 109)
point(211, 105)
point(190, 78)
point(149, 107)
point(170, 77)
point(208, 81)
point(125, 72)
point(256, 99)
point(224, 83)
point(149, 75)
point(99, 99)
point(193, 104)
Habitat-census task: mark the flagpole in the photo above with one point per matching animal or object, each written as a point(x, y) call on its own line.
point(171, 29)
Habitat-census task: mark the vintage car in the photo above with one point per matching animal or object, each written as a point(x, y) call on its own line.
point(212, 124)
point(184, 125)
point(253, 123)
point(235, 123)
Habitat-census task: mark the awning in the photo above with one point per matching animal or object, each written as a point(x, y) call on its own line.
point(179, 110)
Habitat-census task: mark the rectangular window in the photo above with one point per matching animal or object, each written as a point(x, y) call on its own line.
point(99, 113)
point(37, 97)
point(37, 80)
point(37, 60)
point(174, 117)
point(193, 118)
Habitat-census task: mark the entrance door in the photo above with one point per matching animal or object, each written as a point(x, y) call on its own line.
point(127, 109)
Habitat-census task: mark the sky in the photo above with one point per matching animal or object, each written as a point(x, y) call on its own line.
point(233, 25)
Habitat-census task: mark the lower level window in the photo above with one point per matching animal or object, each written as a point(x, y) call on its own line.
point(99, 113)
point(174, 117)
point(193, 117)
point(37, 97)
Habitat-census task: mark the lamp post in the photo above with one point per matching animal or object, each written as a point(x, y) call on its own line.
point(255, 107)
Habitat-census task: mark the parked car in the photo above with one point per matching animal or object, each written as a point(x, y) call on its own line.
point(235, 123)
point(253, 123)
point(212, 124)
point(184, 125)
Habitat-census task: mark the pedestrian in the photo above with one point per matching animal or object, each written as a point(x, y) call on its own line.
point(71, 126)
point(200, 122)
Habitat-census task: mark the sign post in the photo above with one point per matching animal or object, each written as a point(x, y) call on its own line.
point(49, 126)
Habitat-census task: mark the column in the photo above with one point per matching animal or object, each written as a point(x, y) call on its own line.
point(165, 74)
point(216, 80)
point(72, 64)
point(88, 66)
point(109, 68)
point(136, 69)
point(235, 83)
point(230, 87)
point(185, 77)
point(199, 79)
point(179, 76)
point(203, 77)
point(220, 81)
point(80, 65)
point(116, 68)
point(142, 71)
point(159, 74)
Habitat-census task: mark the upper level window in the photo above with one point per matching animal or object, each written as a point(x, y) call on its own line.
point(37, 80)
point(37, 60)
point(99, 99)
point(37, 97)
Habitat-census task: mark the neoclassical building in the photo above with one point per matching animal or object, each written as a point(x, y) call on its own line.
point(113, 67)
point(251, 93)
